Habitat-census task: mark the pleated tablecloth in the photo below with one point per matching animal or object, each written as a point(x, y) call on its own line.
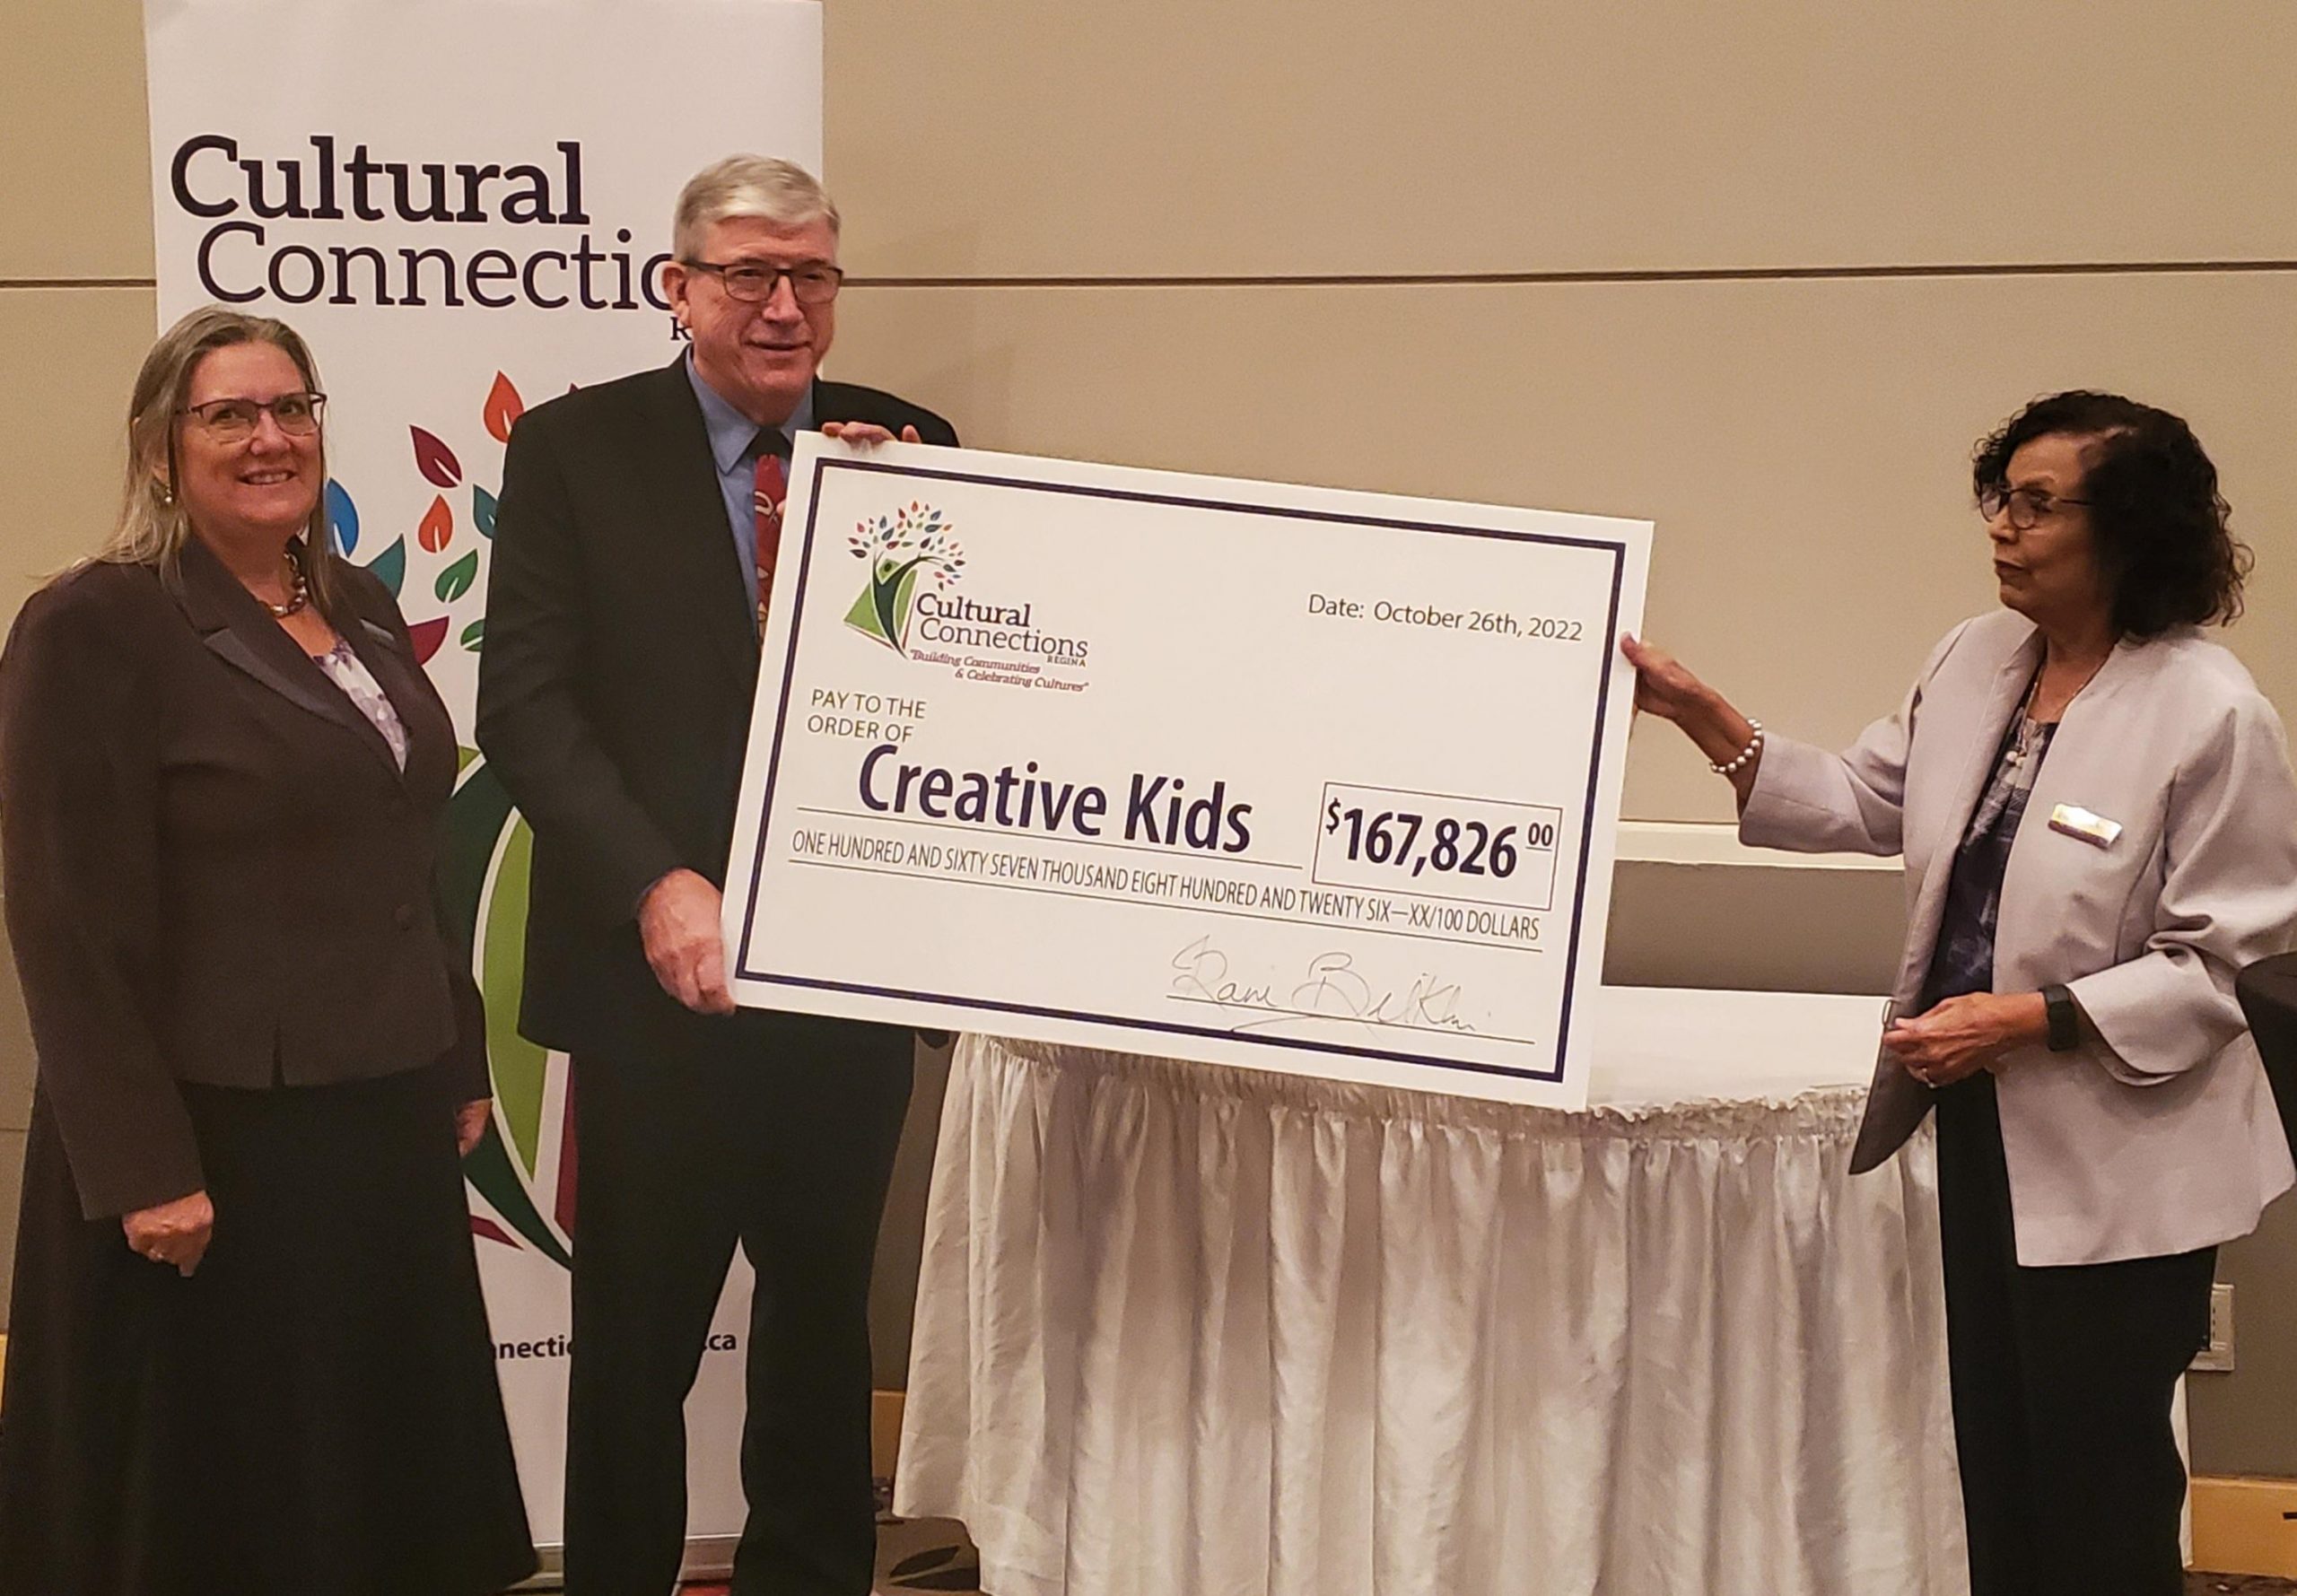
point(1187, 1331)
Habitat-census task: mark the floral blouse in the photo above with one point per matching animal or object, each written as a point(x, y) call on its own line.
point(348, 671)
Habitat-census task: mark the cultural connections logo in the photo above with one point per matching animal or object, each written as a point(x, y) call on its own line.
point(907, 605)
point(911, 546)
point(523, 1171)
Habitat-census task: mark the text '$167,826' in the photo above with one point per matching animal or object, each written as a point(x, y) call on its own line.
point(1415, 842)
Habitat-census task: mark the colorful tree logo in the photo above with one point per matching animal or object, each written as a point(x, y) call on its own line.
point(901, 548)
point(525, 1166)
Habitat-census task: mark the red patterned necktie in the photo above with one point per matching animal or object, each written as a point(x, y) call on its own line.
point(772, 488)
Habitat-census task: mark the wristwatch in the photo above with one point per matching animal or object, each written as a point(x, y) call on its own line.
point(2064, 1019)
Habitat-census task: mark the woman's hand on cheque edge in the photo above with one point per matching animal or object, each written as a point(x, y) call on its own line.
point(1662, 684)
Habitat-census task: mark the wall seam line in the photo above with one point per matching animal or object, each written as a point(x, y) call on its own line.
point(1684, 274)
point(78, 283)
point(1836, 274)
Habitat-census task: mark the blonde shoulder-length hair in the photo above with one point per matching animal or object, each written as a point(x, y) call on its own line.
point(154, 526)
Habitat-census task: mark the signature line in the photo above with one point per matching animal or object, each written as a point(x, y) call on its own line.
point(1278, 1012)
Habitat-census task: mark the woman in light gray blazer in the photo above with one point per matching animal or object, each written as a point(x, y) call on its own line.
point(2099, 828)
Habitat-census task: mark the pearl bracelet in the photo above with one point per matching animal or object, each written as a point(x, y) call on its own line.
point(1753, 747)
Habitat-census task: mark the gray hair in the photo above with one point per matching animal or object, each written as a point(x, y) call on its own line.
point(154, 526)
point(778, 191)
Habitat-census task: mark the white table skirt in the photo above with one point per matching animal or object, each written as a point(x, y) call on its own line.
point(1184, 1330)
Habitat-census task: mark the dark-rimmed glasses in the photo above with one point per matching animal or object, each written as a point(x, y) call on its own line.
point(2027, 506)
point(752, 281)
point(234, 420)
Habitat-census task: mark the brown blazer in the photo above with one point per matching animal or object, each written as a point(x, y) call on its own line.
point(214, 872)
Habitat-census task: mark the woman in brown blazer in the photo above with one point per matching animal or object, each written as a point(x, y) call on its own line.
point(248, 1349)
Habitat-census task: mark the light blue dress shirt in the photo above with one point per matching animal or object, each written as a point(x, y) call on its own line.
point(732, 436)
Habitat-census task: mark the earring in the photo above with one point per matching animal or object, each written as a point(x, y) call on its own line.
point(167, 493)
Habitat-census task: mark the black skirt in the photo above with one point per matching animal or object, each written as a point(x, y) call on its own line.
point(314, 1412)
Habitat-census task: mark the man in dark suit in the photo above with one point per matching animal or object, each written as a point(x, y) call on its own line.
point(633, 553)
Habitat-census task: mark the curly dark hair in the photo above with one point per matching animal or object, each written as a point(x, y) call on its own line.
point(2158, 522)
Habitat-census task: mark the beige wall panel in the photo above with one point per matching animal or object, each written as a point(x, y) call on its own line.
point(1802, 445)
point(12, 1171)
point(67, 359)
point(1042, 138)
point(1827, 930)
point(74, 141)
point(2242, 1421)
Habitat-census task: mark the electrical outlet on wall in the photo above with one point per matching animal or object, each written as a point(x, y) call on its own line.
point(2217, 1358)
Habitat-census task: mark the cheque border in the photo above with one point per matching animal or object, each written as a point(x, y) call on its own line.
point(824, 465)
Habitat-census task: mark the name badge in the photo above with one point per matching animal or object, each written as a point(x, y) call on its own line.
point(2076, 822)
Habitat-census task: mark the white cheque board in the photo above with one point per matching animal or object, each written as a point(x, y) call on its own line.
point(1306, 780)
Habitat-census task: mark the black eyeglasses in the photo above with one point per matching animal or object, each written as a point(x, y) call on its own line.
point(2027, 506)
point(234, 420)
point(753, 282)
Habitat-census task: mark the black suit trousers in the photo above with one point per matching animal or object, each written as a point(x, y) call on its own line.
point(2063, 1380)
point(780, 1140)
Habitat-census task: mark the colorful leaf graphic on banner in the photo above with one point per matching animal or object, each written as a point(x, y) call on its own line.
point(341, 517)
point(521, 1068)
point(436, 461)
point(482, 511)
point(483, 875)
point(438, 528)
point(456, 579)
point(391, 566)
point(427, 636)
point(475, 633)
point(503, 407)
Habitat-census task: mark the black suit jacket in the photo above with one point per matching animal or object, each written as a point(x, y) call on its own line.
point(214, 870)
point(615, 689)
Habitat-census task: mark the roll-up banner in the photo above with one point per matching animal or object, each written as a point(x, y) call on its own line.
point(465, 205)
